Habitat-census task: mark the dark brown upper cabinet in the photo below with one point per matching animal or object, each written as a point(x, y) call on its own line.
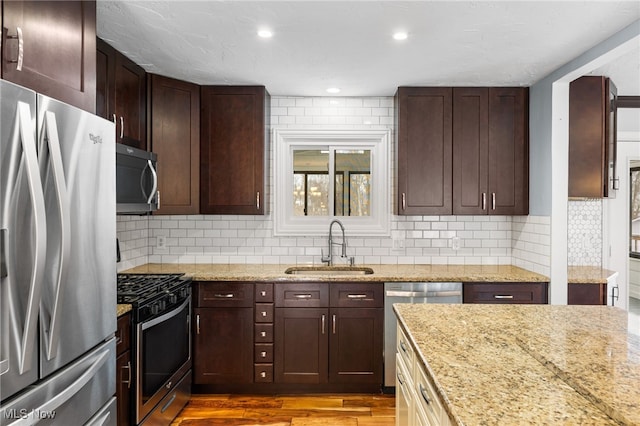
point(592, 137)
point(234, 146)
point(58, 40)
point(174, 113)
point(423, 121)
point(122, 95)
point(462, 151)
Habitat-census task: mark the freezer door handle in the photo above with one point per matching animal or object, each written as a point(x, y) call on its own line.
point(3, 254)
point(64, 396)
point(53, 310)
point(36, 194)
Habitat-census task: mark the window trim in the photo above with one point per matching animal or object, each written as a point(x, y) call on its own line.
point(634, 254)
point(378, 141)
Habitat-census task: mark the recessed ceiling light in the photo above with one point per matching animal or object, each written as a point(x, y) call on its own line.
point(265, 33)
point(400, 35)
point(333, 90)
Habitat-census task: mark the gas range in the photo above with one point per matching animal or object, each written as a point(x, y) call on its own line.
point(151, 295)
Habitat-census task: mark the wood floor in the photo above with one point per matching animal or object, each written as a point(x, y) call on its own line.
point(288, 410)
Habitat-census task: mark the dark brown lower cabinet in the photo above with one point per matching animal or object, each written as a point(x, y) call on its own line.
point(355, 345)
point(123, 369)
point(301, 345)
point(500, 293)
point(587, 294)
point(223, 346)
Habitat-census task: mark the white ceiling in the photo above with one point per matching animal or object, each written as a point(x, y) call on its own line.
point(348, 44)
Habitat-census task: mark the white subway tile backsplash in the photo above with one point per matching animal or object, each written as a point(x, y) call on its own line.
point(522, 241)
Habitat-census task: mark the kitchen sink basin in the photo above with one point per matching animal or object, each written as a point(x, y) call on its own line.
point(328, 270)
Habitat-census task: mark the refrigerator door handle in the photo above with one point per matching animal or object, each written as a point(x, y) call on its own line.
point(52, 331)
point(28, 343)
point(64, 396)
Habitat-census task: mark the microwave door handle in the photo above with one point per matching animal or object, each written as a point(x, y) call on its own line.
point(62, 195)
point(154, 189)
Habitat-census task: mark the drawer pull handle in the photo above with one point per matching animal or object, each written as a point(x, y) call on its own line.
point(503, 296)
point(128, 381)
point(198, 324)
point(223, 296)
point(356, 296)
point(403, 346)
point(423, 393)
point(400, 378)
point(303, 296)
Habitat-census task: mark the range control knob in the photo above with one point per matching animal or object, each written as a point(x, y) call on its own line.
point(173, 298)
point(154, 308)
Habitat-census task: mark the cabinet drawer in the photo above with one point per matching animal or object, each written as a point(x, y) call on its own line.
point(264, 312)
point(302, 295)
point(264, 292)
point(263, 333)
point(263, 353)
point(505, 293)
point(404, 348)
point(224, 294)
point(426, 396)
point(123, 334)
point(357, 295)
point(263, 373)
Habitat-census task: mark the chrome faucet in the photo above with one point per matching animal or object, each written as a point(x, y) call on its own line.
point(329, 258)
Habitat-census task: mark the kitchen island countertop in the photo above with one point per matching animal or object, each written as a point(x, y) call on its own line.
point(529, 364)
point(382, 273)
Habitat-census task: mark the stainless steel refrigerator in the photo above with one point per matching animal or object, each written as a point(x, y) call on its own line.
point(57, 262)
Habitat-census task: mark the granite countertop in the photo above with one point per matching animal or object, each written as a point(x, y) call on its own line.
point(122, 308)
point(529, 364)
point(382, 273)
point(588, 275)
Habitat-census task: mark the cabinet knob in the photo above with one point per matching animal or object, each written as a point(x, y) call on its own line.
point(263, 334)
point(263, 313)
point(263, 374)
point(263, 293)
point(263, 354)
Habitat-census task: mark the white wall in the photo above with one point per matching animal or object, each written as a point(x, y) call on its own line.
point(523, 241)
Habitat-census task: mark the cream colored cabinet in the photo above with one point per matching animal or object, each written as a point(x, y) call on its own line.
point(417, 403)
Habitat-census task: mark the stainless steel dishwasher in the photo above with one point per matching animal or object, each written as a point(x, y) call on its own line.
point(423, 292)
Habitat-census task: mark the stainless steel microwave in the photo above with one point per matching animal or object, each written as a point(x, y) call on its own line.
point(136, 181)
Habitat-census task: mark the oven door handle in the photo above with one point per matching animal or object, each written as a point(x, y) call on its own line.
point(168, 315)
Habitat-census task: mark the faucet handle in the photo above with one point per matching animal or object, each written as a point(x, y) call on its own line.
point(323, 258)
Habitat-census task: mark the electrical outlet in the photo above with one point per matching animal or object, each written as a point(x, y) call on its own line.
point(398, 244)
point(161, 242)
point(455, 243)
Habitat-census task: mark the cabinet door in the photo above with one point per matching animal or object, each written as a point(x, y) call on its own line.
point(223, 346)
point(105, 79)
point(59, 49)
point(587, 294)
point(130, 103)
point(233, 150)
point(592, 137)
point(424, 150)
point(470, 150)
point(175, 138)
point(356, 345)
point(508, 151)
point(123, 388)
point(301, 345)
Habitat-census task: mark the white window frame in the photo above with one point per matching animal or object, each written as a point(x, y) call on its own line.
point(286, 140)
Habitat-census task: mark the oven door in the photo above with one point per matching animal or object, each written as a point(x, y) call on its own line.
point(163, 346)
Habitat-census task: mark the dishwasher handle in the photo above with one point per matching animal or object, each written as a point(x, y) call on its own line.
point(428, 294)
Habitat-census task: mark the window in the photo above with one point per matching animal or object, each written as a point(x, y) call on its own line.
point(322, 175)
point(634, 240)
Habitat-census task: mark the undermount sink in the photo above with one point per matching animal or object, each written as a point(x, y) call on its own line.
point(328, 270)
